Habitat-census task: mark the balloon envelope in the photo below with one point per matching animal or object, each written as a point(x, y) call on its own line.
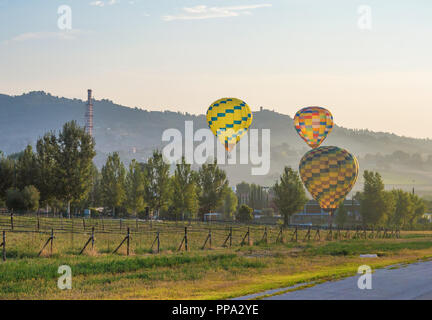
point(329, 173)
point(313, 124)
point(229, 119)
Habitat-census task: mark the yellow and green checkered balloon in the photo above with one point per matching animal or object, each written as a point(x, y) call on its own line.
point(229, 119)
point(329, 174)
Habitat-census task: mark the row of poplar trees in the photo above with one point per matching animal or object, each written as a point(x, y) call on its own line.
point(185, 194)
point(60, 173)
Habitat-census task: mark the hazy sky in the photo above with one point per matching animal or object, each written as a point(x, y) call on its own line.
point(183, 55)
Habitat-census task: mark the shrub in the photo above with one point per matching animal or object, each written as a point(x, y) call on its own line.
point(245, 213)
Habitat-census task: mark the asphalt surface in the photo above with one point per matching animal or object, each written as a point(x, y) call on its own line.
point(408, 282)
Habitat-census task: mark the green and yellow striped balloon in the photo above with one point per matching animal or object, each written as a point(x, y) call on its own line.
point(329, 174)
point(229, 119)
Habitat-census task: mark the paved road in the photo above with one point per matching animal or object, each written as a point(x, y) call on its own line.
point(409, 282)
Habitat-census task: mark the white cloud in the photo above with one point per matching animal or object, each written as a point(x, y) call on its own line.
point(59, 35)
point(100, 3)
point(97, 3)
point(203, 12)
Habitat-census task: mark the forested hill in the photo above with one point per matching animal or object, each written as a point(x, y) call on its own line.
point(135, 132)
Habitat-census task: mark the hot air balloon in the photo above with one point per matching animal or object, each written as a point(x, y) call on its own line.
point(313, 124)
point(329, 173)
point(229, 119)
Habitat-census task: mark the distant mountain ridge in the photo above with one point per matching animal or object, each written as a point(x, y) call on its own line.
point(135, 132)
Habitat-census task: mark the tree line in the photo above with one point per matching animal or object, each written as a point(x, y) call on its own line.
point(395, 207)
point(378, 207)
point(148, 189)
point(60, 174)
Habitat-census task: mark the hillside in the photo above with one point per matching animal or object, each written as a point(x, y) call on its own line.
point(136, 132)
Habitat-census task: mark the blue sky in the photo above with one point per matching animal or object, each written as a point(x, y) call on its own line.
point(183, 55)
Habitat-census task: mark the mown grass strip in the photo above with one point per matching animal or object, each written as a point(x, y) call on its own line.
point(350, 247)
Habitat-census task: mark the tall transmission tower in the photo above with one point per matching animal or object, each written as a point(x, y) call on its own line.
point(89, 114)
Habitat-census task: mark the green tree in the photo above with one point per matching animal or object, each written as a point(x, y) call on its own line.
point(113, 182)
point(341, 215)
point(6, 175)
point(245, 213)
point(403, 207)
point(376, 205)
point(26, 168)
point(229, 204)
point(47, 177)
point(14, 199)
point(419, 209)
point(290, 195)
point(135, 187)
point(184, 194)
point(213, 186)
point(158, 186)
point(74, 158)
point(25, 200)
point(95, 195)
point(243, 192)
point(30, 197)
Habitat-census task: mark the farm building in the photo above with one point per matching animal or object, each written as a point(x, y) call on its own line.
point(313, 214)
point(213, 216)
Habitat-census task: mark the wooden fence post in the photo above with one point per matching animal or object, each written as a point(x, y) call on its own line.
point(84, 226)
point(157, 241)
point(11, 221)
point(308, 234)
point(186, 239)
point(280, 235)
point(294, 235)
point(330, 233)
point(229, 237)
point(93, 238)
point(317, 233)
point(128, 240)
point(208, 239)
point(3, 245)
point(264, 238)
point(244, 238)
point(52, 240)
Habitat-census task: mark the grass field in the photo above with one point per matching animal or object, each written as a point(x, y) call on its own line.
point(217, 273)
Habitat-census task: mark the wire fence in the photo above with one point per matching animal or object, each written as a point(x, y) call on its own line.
point(32, 236)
